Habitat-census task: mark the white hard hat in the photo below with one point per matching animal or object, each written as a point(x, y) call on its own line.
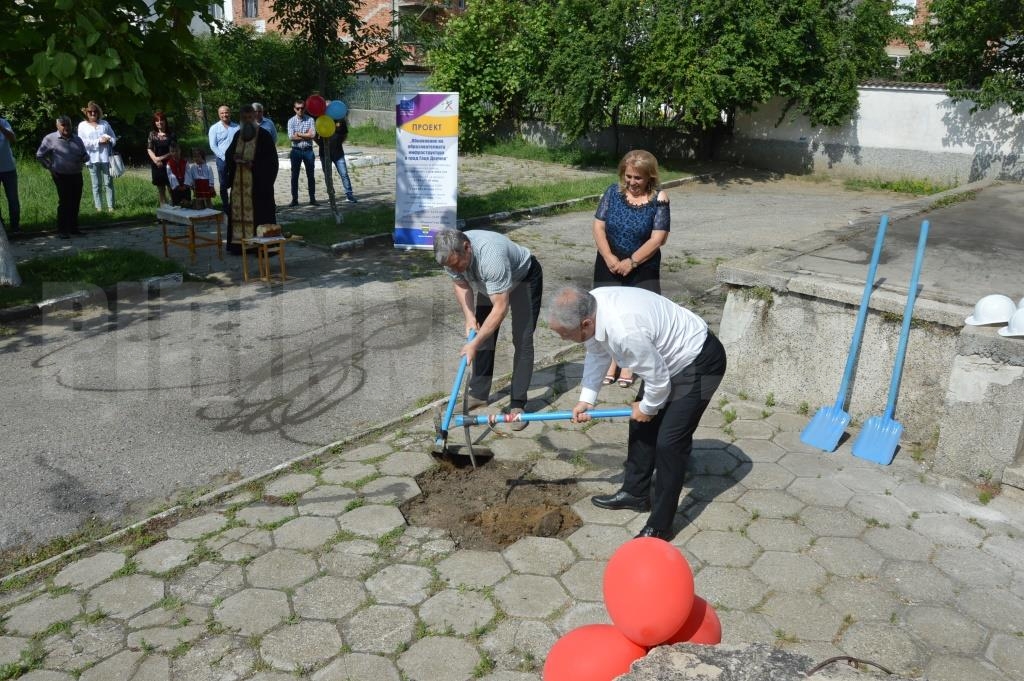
point(993, 309)
point(1016, 325)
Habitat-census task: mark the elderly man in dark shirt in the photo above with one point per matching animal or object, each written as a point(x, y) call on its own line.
point(63, 154)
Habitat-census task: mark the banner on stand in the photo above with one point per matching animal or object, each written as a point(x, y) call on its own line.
point(427, 166)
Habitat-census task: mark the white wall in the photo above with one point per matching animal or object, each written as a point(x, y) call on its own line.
point(910, 125)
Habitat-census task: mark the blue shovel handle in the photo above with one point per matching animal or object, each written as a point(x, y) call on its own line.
point(862, 314)
point(908, 314)
point(455, 393)
point(493, 419)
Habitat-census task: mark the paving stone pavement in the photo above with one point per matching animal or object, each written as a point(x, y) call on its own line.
point(314, 573)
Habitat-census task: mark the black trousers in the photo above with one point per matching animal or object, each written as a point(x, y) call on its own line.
point(69, 200)
point(647, 275)
point(664, 443)
point(524, 304)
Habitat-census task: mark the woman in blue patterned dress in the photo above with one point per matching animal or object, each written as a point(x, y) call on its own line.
point(630, 227)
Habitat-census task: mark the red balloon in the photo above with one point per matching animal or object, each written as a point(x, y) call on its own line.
point(648, 590)
point(316, 105)
point(702, 626)
point(596, 652)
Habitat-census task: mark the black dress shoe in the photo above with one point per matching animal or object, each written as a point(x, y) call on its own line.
point(621, 500)
point(649, 531)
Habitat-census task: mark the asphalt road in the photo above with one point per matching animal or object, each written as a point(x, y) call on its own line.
point(109, 414)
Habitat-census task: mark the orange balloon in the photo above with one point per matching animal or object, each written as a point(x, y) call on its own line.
point(596, 652)
point(648, 590)
point(702, 626)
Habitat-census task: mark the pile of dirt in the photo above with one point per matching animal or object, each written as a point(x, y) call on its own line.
point(494, 505)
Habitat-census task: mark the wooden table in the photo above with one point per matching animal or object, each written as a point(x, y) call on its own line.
point(265, 246)
point(191, 219)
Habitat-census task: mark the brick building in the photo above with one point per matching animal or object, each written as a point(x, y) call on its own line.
point(374, 13)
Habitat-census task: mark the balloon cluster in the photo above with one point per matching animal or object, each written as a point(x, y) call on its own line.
point(325, 113)
point(648, 590)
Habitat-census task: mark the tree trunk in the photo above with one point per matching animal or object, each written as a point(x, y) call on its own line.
point(8, 270)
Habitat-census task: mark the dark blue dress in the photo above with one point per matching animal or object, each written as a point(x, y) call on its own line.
point(627, 229)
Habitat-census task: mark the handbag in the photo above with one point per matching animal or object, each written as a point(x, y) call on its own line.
point(116, 165)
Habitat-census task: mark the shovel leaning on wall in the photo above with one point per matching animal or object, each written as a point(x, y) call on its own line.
point(829, 423)
point(880, 436)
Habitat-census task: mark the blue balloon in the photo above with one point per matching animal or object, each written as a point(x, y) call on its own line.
point(337, 109)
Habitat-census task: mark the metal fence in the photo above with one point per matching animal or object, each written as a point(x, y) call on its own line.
point(377, 94)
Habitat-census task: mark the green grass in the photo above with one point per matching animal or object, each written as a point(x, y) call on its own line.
point(134, 196)
point(52, 276)
point(918, 187)
point(363, 223)
point(370, 134)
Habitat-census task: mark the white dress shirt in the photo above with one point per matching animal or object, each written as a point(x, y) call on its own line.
point(643, 332)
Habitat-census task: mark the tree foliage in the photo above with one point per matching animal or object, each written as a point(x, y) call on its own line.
point(977, 50)
point(283, 73)
point(592, 63)
point(124, 53)
point(491, 55)
point(318, 23)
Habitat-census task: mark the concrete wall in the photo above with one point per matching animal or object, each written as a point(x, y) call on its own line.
point(796, 347)
point(665, 143)
point(961, 390)
point(983, 408)
point(895, 133)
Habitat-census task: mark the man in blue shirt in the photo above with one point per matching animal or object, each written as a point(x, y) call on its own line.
point(9, 176)
point(264, 122)
point(301, 132)
point(221, 134)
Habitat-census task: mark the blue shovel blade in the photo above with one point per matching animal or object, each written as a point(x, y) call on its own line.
point(878, 440)
point(825, 429)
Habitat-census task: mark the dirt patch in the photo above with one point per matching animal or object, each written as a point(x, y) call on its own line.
point(494, 505)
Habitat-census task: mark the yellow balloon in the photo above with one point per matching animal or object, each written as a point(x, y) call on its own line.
point(324, 126)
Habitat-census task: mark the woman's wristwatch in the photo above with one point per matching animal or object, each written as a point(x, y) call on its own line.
point(633, 263)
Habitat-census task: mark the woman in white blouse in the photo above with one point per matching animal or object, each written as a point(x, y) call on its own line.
point(99, 139)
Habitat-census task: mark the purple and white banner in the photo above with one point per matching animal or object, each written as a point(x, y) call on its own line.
point(427, 168)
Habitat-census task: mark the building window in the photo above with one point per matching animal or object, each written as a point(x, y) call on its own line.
point(217, 11)
point(249, 9)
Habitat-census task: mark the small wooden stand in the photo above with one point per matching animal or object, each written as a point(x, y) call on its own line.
point(266, 246)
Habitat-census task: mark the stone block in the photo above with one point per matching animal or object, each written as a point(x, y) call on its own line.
point(328, 598)
point(125, 597)
point(400, 584)
point(253, 611)
point(539, 556)
point(530, 596)
point(475, 569)
point(461, 612)
point(88, 572)
point(380, 629)
point(439, 658)
point(302, 646)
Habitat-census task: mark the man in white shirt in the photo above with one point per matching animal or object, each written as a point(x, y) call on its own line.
point(681, 363)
